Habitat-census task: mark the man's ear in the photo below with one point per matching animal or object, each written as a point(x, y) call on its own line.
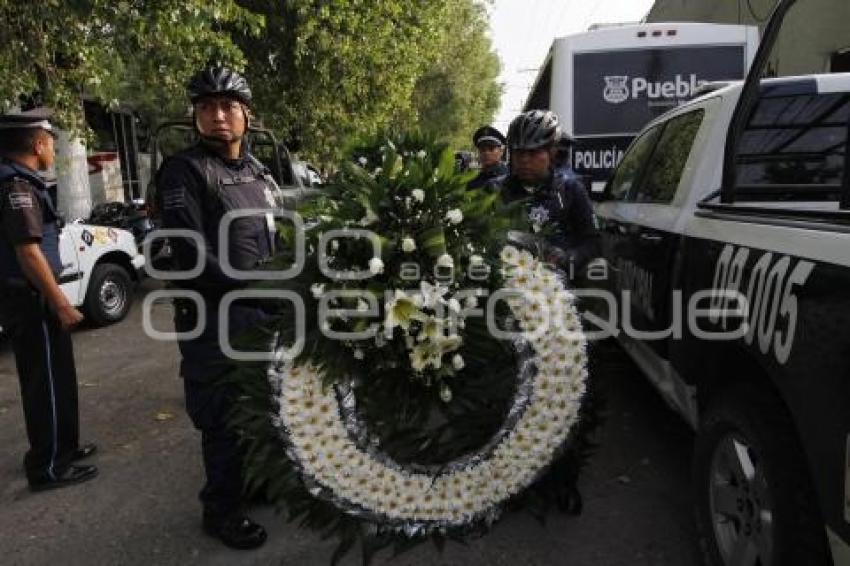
point(39, 145)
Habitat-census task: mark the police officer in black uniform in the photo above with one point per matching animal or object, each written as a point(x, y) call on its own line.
point(33, 309)
point(195, 189)
point(491, 148)
point(562, 158)
point(558, 205)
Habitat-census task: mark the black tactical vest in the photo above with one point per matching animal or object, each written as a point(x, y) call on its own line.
point(251, 238)
point(10, 270)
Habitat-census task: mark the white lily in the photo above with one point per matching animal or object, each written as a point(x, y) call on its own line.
point(418, 195)
point(376, 266)
point(432, 330)
point(401, 311)
point(419, 358)
point(432, 295)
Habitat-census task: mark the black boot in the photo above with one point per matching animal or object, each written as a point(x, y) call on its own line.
point(235, 530)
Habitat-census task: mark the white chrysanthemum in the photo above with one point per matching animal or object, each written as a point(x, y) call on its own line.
point(329, 457)
point(418, 195)
point(526, 261)
point(445, 260)
point(454, 216)
point(510, 255)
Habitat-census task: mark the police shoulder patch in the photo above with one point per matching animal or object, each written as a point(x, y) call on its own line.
point(20, 200)
point(174, 197)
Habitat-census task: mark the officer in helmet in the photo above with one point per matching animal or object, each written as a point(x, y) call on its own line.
point(490, 143)
point(196, 188)
point(34, 311)
point(558, 206)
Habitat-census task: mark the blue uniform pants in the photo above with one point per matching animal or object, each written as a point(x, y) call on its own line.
point(44, 357)
point(209, 401)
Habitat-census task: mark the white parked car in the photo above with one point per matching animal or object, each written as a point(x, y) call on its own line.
point(100, 267)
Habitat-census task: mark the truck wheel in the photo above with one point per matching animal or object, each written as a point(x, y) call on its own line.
point(755, 503)
point(109, 295)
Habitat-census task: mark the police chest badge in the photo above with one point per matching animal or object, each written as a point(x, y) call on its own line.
point(538, 216)
point(616, 89)
point(270, 198)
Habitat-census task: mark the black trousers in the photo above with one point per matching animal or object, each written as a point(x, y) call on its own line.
point(44, 356)
point(209, 401)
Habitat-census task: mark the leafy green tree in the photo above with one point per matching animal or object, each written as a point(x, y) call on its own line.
point(460, 92)
point(132, 50)
point(326, 71)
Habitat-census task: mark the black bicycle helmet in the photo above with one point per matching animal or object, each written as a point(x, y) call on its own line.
point(219, 81)
point(534, 129)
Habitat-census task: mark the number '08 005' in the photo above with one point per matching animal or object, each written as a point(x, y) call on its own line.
point(768, 291)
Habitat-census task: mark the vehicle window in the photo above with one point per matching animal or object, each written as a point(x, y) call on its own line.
point(632, 165)
point(669, 158)
point(794, 147)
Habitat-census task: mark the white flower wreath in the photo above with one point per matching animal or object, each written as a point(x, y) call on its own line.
point(329, 457)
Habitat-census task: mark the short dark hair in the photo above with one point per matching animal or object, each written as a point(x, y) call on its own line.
point(16, 141)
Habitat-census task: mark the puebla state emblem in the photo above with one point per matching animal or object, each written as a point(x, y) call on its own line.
point(616, 89)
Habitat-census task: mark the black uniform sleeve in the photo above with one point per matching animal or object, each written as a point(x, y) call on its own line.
point(181, 191)
point(583, 242)
point(20, 213)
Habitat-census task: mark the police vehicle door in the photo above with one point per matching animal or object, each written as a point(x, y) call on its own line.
point(616, 216)
point(645, 221)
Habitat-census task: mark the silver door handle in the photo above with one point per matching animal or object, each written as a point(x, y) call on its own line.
point(651, 238)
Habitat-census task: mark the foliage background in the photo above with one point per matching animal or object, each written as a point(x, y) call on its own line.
point(323, 71)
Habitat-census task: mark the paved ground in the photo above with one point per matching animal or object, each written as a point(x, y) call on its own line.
point(143, 508)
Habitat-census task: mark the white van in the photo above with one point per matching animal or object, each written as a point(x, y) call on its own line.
point(607, 84)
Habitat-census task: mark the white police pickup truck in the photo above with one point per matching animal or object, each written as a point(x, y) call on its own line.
point(732, 266)
point(100, 266)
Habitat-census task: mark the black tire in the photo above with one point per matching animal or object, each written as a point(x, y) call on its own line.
point(773, 518)
point(109, 295)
